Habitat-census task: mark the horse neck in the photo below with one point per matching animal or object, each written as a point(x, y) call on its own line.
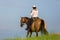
point(27, 20)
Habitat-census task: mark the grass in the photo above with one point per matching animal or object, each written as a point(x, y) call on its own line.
point(44, 37)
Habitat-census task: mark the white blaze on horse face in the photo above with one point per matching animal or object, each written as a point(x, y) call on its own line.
point(23, 20)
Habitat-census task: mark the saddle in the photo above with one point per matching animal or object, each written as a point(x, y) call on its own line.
point(34, 19)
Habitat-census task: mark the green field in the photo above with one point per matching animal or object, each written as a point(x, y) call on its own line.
point(44, 37)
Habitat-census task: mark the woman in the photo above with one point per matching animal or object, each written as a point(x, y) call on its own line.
point(34, 12)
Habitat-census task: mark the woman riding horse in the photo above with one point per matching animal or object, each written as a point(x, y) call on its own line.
point(36, 26)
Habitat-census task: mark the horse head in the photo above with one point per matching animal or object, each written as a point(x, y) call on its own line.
point(23, 21)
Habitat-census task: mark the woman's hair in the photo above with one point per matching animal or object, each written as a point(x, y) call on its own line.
point(34, 7)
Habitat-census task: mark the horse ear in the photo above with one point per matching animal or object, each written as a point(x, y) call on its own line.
point(20, 19)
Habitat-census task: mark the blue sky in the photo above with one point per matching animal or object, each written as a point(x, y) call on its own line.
point(12, 10)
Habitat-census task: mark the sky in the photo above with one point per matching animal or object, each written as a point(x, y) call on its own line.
point(12, 10)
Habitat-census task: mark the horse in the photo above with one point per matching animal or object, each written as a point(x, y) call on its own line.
point(36, 26)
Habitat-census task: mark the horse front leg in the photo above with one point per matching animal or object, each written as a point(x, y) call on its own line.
point(27, 33)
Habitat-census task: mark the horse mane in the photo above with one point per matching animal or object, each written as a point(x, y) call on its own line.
point(27, 18)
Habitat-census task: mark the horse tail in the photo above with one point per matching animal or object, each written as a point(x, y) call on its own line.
point(43, 27)
point(45, 31)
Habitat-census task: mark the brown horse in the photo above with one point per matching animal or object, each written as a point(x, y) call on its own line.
point(36, 26)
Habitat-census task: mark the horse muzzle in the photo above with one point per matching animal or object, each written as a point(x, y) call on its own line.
point(21, 25)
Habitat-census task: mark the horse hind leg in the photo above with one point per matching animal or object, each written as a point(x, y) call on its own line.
point(36, 34)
